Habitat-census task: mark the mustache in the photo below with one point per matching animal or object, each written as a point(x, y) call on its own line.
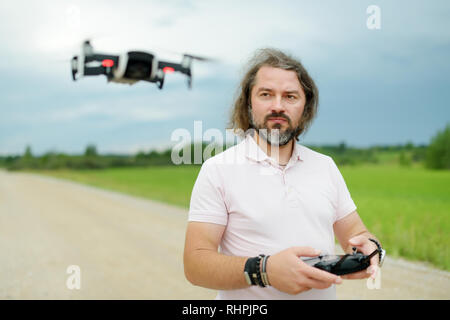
point(277, 115)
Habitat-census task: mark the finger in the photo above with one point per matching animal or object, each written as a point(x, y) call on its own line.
point(356, 275)
point(317, 274)
point(363, 244)
point(374, 261)
point(305, 251)
point(316, 284)
point(372, 270)
point(357, 241)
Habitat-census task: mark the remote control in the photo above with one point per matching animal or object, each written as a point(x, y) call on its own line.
point(341, 264)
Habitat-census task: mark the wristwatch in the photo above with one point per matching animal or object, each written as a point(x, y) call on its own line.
point(250, 271)
point(381, 252)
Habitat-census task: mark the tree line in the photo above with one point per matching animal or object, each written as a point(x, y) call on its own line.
point(436, 155)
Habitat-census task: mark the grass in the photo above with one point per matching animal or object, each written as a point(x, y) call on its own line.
point(170, 184)
point(408, 209)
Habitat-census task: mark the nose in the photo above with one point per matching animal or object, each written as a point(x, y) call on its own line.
point(277, 105)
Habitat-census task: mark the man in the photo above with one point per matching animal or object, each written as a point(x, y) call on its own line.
point(269, 195)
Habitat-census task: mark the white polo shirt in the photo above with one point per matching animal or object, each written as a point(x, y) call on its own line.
point(266, 208)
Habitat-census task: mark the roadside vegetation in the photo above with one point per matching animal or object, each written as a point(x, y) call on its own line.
point(402, 192)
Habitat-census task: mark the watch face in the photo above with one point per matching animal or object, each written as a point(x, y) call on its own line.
point(382, 256)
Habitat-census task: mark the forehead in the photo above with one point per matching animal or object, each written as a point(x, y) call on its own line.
point(277, 79)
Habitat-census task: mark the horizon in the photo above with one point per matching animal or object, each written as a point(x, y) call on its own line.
point(163, 150)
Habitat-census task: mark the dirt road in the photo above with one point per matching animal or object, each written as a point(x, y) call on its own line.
point(128, 248)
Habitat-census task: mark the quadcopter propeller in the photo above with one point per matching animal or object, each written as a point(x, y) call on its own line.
point(58, 60)
point(199, 58)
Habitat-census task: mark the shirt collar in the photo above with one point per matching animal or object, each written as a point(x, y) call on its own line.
point(253, 151)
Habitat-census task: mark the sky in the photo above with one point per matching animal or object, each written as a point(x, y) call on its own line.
point(377, 86)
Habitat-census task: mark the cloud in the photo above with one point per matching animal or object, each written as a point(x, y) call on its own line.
point(110, 111)
point(360, 72)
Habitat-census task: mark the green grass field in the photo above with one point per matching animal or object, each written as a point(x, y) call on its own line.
point(408, 209)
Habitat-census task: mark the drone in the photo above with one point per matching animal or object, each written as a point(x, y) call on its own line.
point(129, 67)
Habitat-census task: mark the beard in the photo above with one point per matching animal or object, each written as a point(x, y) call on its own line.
point(275, 136)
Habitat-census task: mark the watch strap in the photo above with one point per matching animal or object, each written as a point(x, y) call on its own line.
point(250, 271)
point(381, 252)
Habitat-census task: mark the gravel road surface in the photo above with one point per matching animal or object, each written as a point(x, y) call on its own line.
point(128, 248)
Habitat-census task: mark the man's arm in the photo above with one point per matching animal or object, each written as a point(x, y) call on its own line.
point(204, 266)
point(351, 232)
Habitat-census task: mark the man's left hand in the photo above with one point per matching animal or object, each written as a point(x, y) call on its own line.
point(364, 245)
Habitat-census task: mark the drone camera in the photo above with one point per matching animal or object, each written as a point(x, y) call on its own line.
point(139, 66)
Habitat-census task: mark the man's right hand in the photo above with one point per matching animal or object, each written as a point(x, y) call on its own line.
point(288, 273)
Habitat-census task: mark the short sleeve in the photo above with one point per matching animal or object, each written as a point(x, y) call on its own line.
point(207, 199)
point(344, 204)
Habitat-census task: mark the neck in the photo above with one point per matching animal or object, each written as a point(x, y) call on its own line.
point(281, 154)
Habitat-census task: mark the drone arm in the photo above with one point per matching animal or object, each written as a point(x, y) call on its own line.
point(101, 57)
point(160, 83)
point(93, 71)
point(171, 67)
point(159, 79)
point(74, 63)
point(189, 80)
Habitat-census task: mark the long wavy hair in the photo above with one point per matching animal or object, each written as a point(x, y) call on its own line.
point(240, 115)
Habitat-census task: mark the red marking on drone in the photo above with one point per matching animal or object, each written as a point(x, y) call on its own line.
point(107, 63)
point(168, 69)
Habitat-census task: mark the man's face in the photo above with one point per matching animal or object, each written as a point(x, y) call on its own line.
point(278, 101)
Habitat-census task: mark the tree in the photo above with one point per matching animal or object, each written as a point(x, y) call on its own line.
point(91, 151)
point(342, 147)
point(438, 152)
point(28, 154)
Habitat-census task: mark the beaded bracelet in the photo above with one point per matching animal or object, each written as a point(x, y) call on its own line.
point(265, 279)
point(258, 271)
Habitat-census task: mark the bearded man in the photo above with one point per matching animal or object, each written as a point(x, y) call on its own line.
point(260, 206)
